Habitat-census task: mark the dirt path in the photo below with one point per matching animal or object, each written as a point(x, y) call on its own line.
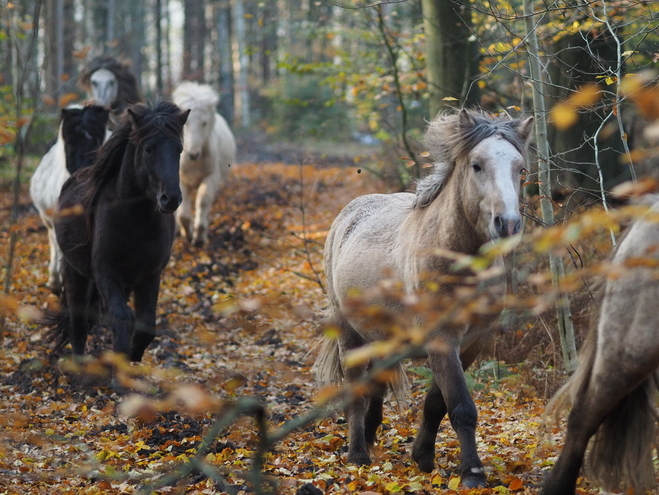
point(237, 318)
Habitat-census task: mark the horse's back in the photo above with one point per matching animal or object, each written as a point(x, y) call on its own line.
point(362, 242)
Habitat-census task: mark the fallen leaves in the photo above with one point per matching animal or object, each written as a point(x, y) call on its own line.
point(237, 319)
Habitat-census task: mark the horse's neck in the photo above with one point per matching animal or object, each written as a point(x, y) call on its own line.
point(446, 224)
point(129, 184)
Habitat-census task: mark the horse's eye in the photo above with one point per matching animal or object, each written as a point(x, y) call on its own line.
point(204, 124)
point(148, 149)
point(476, 167)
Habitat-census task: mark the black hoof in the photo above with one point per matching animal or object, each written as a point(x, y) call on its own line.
point(426, 462)
point(474, 480)
point(359, 458)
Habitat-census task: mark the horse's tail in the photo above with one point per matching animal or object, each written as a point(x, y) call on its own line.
point(621, 449)
point(328, 368)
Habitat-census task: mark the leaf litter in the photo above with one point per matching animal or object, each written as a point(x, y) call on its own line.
point(236, 318)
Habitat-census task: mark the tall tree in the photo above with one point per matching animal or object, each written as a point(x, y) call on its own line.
point(194, 38)
point(451, 57)
point(226, 77)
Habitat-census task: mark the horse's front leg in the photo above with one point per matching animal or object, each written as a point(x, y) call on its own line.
point(205, 196)
point(118, 315)
point(184, 211)
point(146, 301)
point(449, 376)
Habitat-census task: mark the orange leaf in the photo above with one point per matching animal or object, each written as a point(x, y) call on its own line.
point(515, 484)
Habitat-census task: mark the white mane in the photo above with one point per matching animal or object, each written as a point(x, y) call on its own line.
point(190, 94)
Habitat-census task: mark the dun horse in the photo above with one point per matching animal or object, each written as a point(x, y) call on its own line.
point(208, 152)
point(110, 82)
point(469, 200)
point(614, 388)
point(122, 240)
point(82, 130)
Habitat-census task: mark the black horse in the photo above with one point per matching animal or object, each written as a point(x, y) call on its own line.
point(115, 228)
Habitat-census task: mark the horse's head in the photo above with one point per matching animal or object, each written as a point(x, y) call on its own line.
point(104, 87)
point(201, 99)
point(494, 168)
point(197, 130)
point(83, 132)
point(157, 136)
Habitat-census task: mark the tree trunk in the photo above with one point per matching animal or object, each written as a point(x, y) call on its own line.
point(243, 86)
point(563, 314)
point(158, 20)
point(451, 55)
point(226, 78)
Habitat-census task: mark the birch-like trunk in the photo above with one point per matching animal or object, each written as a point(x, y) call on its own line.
point(564, 316)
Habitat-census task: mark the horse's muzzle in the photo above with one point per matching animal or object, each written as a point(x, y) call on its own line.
point(507, 225)
point(169, 204)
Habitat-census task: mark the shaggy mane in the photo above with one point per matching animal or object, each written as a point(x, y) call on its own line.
point(190, 94)
point(128, 91)
point(449, 142)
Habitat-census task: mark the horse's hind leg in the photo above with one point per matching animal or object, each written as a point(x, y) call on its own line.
point(146, 300)
point(590, 408)
point(184, 211)
point(77, 292)
point(356, 411)
point(55, 264)
point(373, 418)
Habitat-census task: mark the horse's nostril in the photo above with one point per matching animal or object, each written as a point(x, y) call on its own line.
point(507, 226)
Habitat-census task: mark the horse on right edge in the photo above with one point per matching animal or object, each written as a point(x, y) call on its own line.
point(613, 390)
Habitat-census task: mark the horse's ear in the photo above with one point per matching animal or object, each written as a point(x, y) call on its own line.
point(524, 129)
point(183, 117)
point(134, 118)
point(465, 119)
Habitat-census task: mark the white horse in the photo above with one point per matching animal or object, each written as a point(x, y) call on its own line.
point(209, 149)
point(82, 131)
point(471, 199)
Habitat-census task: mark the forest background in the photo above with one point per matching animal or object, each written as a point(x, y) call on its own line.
point(328, 99)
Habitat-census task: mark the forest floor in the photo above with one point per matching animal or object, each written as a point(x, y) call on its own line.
point(237, 318)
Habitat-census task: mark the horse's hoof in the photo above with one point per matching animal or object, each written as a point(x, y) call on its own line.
point(474, 479)
point(359, 458)
point(426, 465)
point(425, 461)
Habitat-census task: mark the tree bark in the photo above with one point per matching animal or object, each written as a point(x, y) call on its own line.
point(451, 56)
point(226, 78)
point(563, 314)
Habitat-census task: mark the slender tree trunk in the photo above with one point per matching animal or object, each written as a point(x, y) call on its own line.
point(451, 56)
point(110, 33)
point(226, 78)
point(243, 87)
point(158, 20)
point(566, 329)
point(186, 67)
